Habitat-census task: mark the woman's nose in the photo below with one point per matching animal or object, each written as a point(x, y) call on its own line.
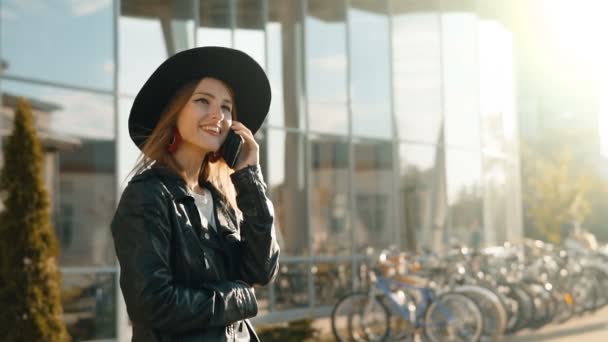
point(217, 113)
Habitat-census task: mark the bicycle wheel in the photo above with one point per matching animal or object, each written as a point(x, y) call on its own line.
point(525, 311)
point(493, 312)
point(453, 317)
point(357, 318)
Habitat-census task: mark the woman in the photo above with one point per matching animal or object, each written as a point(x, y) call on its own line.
point(193, 236)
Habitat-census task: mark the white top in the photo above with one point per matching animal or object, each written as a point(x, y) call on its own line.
point(204, 203)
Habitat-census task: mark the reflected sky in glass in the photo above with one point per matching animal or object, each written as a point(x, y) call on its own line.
point(326, 74)
point(141, 50)
point(60, 41)
point(417, 76)
point(370, 74)
point(460, 79)
point(81, 114)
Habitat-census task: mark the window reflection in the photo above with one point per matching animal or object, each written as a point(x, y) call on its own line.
point(326, 67)
point(150, 31)
point(330, 217)
point(422, 197)
point(77, 133)
point(89, 305)
point(464, 195)
point(291, 286)
point(59, 34)
point(461, 78)
point(417, 70)
point(370, 79)
point(286, 184)
point(373, 183)
point(215, 24)
point(331, 281)
point(126, 149)
point(249, 33)
point(285, 65)
point(513, 205)
point(497, 86)
point(494, 205)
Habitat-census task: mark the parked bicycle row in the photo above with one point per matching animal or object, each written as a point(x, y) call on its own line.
point(470, 295)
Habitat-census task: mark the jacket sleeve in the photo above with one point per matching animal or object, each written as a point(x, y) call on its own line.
point(142, 237)
point(259, 247)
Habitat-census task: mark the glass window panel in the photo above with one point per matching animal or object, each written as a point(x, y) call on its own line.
point(417, 70)
point(370, 73)
point(495, 201)
point(126, 149)
point(215, 24)
point(77, 132)
point(61, 41)
point(331, 281)
point(329, 189)
point(291, 286)
point(464, 195)
point(373, 183)
point(497, 87)
point(284, 69)
point(514, 219)
point(287, 187)
point(326, 67)
point(249, 33)
point(149, 32)
point(461, 78)
point(422, 197)
point(89, 305)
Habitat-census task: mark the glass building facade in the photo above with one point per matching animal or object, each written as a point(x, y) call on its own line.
point(393, 122)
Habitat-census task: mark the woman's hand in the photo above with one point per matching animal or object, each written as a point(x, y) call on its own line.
point(250, 151)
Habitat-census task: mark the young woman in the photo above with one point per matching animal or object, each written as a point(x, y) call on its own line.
point(193, 236)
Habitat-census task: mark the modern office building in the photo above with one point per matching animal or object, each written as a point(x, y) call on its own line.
point(393, 122)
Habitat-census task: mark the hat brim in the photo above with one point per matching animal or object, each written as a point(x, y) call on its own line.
point(238, 70)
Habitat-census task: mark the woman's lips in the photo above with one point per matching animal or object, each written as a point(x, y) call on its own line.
point(212, 130)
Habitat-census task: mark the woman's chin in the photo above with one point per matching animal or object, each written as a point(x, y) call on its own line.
point(209, 147)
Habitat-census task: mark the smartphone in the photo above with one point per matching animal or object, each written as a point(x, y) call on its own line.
point(231, 148)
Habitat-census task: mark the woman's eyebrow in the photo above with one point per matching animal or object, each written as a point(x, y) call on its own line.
point(210, 95)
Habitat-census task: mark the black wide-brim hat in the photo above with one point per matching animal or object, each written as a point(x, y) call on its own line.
point(234, 67)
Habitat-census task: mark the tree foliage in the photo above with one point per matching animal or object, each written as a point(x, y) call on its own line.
point(555, 192)
point(29, 277)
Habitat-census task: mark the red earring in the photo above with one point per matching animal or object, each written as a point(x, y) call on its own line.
point(214, 157)
point(177, 139)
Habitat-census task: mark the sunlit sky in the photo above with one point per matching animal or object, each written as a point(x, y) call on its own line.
point(570, 36)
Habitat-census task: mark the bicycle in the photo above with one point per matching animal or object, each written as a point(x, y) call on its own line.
point(364, 316)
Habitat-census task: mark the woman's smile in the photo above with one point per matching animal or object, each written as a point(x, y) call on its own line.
point(215, 131)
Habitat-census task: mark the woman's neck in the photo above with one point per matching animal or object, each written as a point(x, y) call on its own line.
point(191, 160)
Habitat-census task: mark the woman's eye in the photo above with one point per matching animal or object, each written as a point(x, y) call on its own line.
point(227, 109)
point(203, 100)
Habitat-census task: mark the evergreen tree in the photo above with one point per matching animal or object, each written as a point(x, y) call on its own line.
point(30, 303)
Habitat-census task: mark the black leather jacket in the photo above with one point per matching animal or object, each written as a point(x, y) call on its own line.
point(180, 281)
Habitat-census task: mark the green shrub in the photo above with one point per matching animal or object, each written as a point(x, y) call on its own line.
point(29, 278)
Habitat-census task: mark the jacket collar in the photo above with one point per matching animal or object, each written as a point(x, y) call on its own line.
point(178, 187)
point(174, 182)
point(179, 191)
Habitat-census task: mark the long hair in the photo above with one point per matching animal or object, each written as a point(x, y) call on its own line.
point(154, 149)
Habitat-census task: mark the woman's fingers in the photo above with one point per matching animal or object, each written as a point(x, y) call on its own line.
point(244, 132)
point(249, 153)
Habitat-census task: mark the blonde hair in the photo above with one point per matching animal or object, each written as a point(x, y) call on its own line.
point(154, 149)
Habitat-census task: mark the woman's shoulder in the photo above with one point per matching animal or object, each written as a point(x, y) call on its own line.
point(146, 186)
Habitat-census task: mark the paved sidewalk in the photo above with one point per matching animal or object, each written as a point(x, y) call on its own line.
point(588, 328)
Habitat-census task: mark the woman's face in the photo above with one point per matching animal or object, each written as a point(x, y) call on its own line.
point(205, 119)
